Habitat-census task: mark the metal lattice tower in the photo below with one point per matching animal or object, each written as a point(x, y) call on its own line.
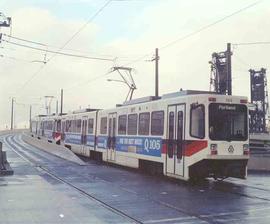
point(259, 97)
point(4, 21)
point(221, 75)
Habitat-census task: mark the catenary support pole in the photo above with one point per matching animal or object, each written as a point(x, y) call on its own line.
point(229, 68)
point(61, 106)
point(156, 73)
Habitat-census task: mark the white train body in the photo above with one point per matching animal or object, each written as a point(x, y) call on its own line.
point(186, 134)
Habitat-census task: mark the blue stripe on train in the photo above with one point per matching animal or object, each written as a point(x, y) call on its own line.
point(48, 134)
point(102, 142)
point(90, 140)
point(139, 145)
point(73, 138)
point(77, 139)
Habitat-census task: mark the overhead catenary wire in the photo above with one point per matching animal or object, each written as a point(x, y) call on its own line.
point(47, 45)
point(58, 52)
point(201, 29)
point(251, 43)
point(191, 34)
point(21, 39)
point(14, 58)
point(64, 45)
point(88, 81)
point(210, 25)
point(82, 27)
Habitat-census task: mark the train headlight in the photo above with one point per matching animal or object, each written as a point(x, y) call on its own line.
point(213, 148)
point(246, 149)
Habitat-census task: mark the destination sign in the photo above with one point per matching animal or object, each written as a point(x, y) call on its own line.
point(226, 107)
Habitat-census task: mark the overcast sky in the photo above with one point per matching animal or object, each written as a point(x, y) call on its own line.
point(124, 31)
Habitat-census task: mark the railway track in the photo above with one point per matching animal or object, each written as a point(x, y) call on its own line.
point(9, 140)
point(25, 152)
point(17, 147)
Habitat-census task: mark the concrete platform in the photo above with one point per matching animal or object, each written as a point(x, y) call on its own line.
point(48, 189)
point(52, 148)
point(32, 196)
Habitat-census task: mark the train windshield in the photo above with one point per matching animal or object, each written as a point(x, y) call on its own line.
point(228, 122)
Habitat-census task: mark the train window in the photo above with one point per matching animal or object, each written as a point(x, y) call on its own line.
point(63, 126)
point(197, 121)
point(171, 135)
point(68, 124)
point(54, 126)
point(103, 125)
point(78, 126)
point(122, 124)
point(90, 126)
point(73, 126)
point(144, 122)
point(50, 125)
point(228, 122)
point(179, 134)
point(58, 126)
point(132, 124)
point(157, 123)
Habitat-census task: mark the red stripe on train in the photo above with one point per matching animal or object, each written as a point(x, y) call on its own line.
point(189, 147)
point(193, 147)
point(164, 148)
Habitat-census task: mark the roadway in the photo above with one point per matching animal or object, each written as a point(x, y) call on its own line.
point(48, 189)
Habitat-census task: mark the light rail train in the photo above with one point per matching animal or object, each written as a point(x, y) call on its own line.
point(185, 135)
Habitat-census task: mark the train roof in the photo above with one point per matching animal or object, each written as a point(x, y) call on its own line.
point(83, 110)
point(142, 100)
point(185, 93)
point(166, 96)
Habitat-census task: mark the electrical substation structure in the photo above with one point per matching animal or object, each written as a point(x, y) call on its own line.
point(221, 72)
point(4, 21)
point(259, 98)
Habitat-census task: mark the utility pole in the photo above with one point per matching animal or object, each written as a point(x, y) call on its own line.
point(156, 62)
point(61, 106)
point(156, 59)
point(229, 68)
point(12, 113)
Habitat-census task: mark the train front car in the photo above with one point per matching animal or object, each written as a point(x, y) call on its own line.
point(226, 133)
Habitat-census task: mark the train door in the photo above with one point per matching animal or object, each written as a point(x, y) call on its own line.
point(84, 132)
point(111, 137)
point(84, 149)
point(63, 127)
point(175, 136)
